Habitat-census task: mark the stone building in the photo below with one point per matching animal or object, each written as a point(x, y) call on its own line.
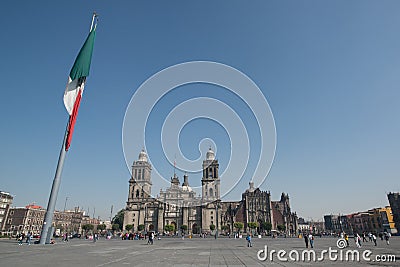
point(394, 201)
point(375, 220)
point(30, 219)
point(283, 216)
point(178, 205)
point(25, 219)
point(5, 203)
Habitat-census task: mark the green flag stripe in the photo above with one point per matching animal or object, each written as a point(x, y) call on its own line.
point(82, 62)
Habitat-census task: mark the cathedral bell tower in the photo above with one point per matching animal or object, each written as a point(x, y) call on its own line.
point(210, 182)
point(140, 182)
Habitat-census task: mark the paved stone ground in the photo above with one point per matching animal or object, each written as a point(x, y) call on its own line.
point(178, 252)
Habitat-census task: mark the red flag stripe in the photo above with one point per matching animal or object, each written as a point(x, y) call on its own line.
point(72, 119)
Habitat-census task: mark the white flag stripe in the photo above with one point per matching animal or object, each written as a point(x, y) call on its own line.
point(70, 94)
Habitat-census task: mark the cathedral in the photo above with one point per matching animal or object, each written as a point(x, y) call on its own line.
point(180, 207)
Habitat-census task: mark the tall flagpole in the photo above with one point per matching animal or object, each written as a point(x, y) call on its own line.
point(45, 236)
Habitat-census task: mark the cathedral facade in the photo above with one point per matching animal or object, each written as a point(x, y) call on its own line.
point(179, 205)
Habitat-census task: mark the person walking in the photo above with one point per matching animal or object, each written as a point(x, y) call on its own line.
point(357, 239)
point(370, 237)
point(151, 238)
point(20, 239)
point(387, 236)
point(306, 240)
point(311, 238)
point(364, 239)
point(248, 238)
point(374, 238)
point(28, 238)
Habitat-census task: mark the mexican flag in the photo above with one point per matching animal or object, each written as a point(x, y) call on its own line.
point(76, 83)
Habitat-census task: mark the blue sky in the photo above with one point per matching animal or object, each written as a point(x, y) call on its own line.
point(329, 70)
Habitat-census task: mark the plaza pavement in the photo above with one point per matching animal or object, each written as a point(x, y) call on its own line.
point(178, 252)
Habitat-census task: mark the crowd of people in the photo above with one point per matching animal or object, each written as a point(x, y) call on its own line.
point(367, 237)
point(309, 238)
point(358, 239)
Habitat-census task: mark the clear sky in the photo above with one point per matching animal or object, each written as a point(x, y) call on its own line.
point(329, 70)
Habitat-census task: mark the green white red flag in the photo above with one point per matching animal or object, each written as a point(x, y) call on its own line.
point(76, 83)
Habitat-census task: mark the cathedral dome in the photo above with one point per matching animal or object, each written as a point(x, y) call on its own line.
point(210, 154)
point(143, 156)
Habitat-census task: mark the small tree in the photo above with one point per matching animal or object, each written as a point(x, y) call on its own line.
point(128, 227)
point(238, 226)
point(88, 227)
point(184, 228)
point(281, 227)
point(212, 227)
point(267, 226)
point(101, 227)
point(140, 227)
point(253, 225)
point(115, 227)
point(225, 227)
point(119, 219)
point(169, 228)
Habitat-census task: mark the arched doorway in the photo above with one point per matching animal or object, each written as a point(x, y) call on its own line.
point(195, 229)
point(151, 227)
